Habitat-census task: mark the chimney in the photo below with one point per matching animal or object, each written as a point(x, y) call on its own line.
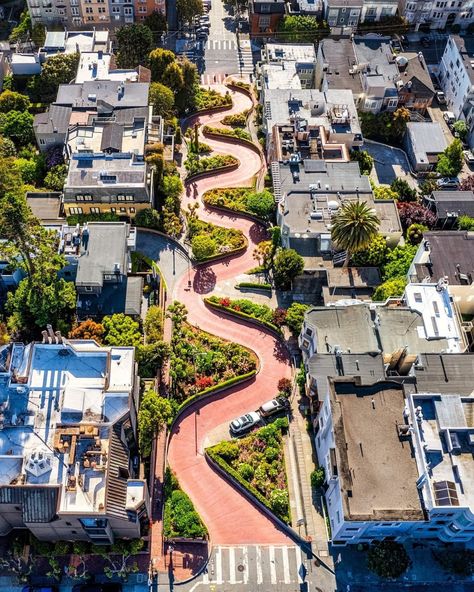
point(59, 338)
point(45, 336)
point(51, 333)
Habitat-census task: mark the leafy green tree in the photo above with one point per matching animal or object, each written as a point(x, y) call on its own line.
point(20, 32)
point(186, 97)
point(388, 559)
point(38, 34)
point(450, 162)
point(398, 261)
point(384, 192)
point(353, 227)
point(18, 126)
point(461, 129)
point(134, 43)
point(390, 289)
point(159, 60)
point(429, 184)
point(7, 148)
point(154, 414)
point(157, 23)
point(28, 170)
point(299, 28)
point(172, 187)
point(151, 357)
point(56, 177)
point(465, 223)
point(161, 98)
point(415, 233)
point(262, 204)
point(58, 69)
point(404, 191)
point(13, 101)
point(40, 300)
point(173, 77)
point(374, 253)
point(121, 330)
point(148, 218)
point(286, 266)
point(366, 162)
point(153, 324)
point(295, 317)
point(188, 9)
point(203, 247)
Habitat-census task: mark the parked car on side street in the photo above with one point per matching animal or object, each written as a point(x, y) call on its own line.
point(273, 406)
point(244, 423)
point(425, 41)
point(468, 156)
point(440, 97)
point(448, 183)
point(449, 117)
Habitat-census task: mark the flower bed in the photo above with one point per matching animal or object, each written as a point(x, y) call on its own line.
point(240, 134)
point(195, 165)
point(257, 463)
point(211, 99)
point(240, 84)
point(180, 519)
point(236, 199)
point(218, 239)
point(236, 120)
point(200, 360)
point(269, 318)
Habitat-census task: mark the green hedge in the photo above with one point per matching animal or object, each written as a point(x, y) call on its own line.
point(245, 316)
point(223, 131)
point(254, 285)
point(218, 256)
point(235, 475)
point(215, 387)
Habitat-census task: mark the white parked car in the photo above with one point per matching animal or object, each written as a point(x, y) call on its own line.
point(468, 156)
point(273, 406)
point(244, 423)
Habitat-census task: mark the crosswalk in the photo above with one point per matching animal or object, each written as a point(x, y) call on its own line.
point(217, 78)
point(221, 44)
point(255, 564)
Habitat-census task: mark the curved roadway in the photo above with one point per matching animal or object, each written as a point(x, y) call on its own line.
point(230, 517)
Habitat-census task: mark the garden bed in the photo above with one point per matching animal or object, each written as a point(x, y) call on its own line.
point(209, 241)
point(254, 286)
point(257, 463)
point(237, 199)
point(236, 120)
point(237, 133)
point(180, 519)
point(206, 99)
point(210, 164)
point(248, 310)
point(200, 361)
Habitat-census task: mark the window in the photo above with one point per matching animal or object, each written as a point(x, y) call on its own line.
point(392, 103)
point(129, 198)
point(418, 297)
point(75, 11)
point(131, 210)
point(95, 210)
point(127, 11)
point(123, 210)
point(264, 22)
point(101, 9)
point(73, 211)
point(142, 9)
point(115, 9)
point(436, 309)
point(113, 210)
point(87, 197)
point(79, 198)
point(90, 18)
point(87, 288)
point(88, 9)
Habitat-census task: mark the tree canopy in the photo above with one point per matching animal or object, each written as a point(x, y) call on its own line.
point(134, 45)
point(13, 101)
point(188, 9)
point(390, 289)
point(451, 161)
point(159, 59)
point(154, 413)
point(88, 329)
point(203, 247)
point(295, 317)
point(262, 204)
point(121, 330)
point(300, 28)
point(18, 126)
point(157, 23)
point(354, 226)
point(286, 266)
point(161, 98)
point(58, 69)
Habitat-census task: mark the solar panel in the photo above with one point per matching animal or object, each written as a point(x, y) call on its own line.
point(445, 493)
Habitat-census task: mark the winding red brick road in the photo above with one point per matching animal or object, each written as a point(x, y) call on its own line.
point(230, 518)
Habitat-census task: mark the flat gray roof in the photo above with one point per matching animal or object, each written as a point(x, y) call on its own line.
point(376, 468)
point(339, 55)
point(92, 93)
point(107, 245)
point(445, 373)
point(426, 138)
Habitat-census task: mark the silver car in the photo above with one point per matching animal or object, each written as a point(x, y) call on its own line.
point(244, 423)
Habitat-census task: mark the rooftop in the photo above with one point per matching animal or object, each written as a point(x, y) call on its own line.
point(122, 171)
point(103, 95)
point(55, 120)
point(98, 65)
point(416, 72)
point(376, 59)
point(445, 373)
point(57, 403)
point(340, 58)
point(46, 206)
point(427, 140)
point(73, 41)
point(466, 50)
point(453, 203)
point(299, 52)
point(371, 461)
point(446, 254)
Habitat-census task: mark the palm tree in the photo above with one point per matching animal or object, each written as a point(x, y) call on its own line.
point(353, 227)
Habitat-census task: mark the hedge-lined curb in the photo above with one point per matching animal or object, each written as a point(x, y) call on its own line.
point(211, 110)
point(232, 140)
point(234, 475)
point(227, 132)
point(253, 286)
point(232, 85)
point(219, 256)
point(203, 174)
point(228, 210)
point(242, 315)
point(213, 390)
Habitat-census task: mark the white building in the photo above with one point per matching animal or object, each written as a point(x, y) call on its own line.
point(456, 77)
point(438, 14)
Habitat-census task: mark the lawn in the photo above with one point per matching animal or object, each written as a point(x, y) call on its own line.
point(257, 462)
point(200, 360)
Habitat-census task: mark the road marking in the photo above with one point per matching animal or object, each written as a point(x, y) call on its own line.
point(218, 564)
point(273, 573)
point(245, 563)
point(232, 565)
point(205, 576)
point(286, 566)
point(299, 564)
point(259, 565)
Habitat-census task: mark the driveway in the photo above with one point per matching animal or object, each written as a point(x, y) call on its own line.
point(389, 164)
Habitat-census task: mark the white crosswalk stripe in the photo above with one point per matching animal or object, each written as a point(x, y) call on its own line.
point(253, 565)
point(207, 79)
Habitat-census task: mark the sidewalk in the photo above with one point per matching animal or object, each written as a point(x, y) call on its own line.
point(299, 438)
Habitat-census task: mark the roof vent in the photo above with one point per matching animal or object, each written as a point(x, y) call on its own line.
point(38, 463)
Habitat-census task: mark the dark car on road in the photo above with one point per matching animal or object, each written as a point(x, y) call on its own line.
point(97, 588)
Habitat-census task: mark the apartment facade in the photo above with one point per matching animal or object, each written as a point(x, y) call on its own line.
point(68, 442)
point(438, 14)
